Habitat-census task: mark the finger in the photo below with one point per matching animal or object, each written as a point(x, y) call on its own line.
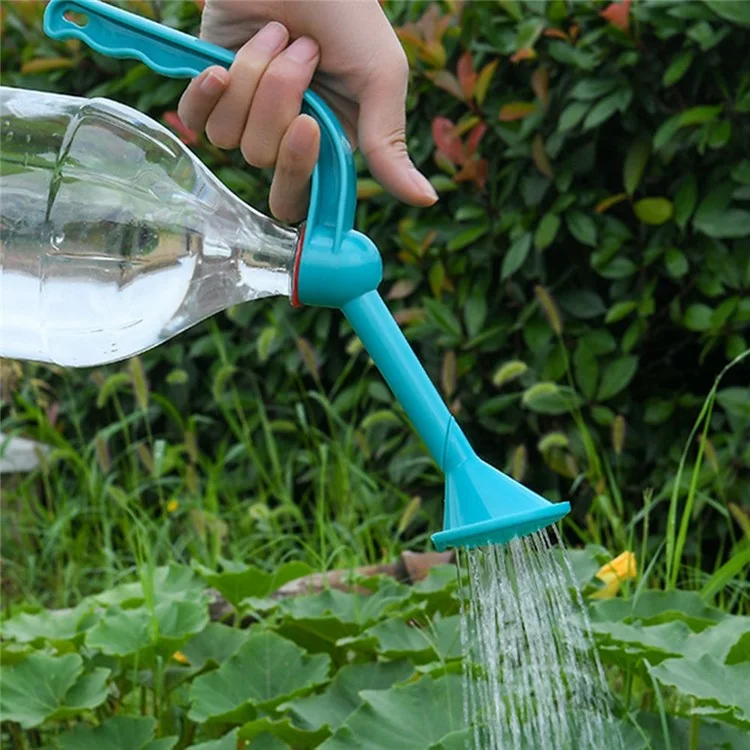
point(201, 96)
point(382, 135)
point(277, 101)
point(290, 189)
point(227, 119)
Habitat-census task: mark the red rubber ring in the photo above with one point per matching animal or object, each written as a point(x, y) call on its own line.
point(295, 272)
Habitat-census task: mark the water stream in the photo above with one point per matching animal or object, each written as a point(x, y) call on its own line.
point(532, 678)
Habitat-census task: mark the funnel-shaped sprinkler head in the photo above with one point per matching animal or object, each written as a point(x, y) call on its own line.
point(484, 506)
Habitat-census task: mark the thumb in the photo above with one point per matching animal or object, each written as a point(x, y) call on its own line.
point(382, 139)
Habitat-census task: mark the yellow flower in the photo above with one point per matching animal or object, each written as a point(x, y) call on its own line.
point(172, 506)
point(622, 568)
point(180, 657)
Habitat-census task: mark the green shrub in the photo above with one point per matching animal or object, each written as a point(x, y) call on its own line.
point(580, 284)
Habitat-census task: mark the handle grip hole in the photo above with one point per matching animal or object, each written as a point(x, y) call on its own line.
point(77, 19)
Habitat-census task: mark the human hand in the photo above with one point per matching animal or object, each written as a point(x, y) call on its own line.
point(349, 53)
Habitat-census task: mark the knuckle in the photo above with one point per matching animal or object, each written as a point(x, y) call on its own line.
point(257, 154)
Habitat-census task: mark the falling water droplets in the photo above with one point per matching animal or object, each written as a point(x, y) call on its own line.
point(532, 678)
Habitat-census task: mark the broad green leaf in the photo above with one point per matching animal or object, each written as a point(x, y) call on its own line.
point(342, 698)
point(546, 231)
point(734, 11)
point(264, 672)
point(616, 376)
point(334, 614)
point(475, 313)
point(654, 211)
point(227, 742)
point(630, 644)
point(603, 110)
point(677, 68)
point(582, 303)
point(593, 88)
point(698, 317)
point(410, 717)
point(467, 236)
point(635, 162)
point(654, 607)
point(128, 632)
point(741, 172)
point(117, 733)
point(586, 370)
point(44, 687)
point(48, 625)
point(719, 687)
point(169, 582)
point(582, 227)
point(648, 734)
point(246, 581)
point(284, 730)
point(516, 255)
point(620, 310)
point(213, 645)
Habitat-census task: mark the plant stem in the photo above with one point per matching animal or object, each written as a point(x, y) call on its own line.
point(695, 730)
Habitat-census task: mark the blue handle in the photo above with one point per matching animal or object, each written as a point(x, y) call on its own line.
point(116, 33)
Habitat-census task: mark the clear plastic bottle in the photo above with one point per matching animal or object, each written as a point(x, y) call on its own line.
point(114, 237)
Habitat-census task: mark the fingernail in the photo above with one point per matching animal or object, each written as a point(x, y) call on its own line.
point(424, 185)
point(302, 50)
point(213, 84)
point(271, 37)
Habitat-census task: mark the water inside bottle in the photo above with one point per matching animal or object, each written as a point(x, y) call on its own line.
point(114, 237)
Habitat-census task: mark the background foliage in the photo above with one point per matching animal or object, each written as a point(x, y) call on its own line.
point(575, 292)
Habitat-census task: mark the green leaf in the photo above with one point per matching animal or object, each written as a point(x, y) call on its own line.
point(213, 645)
point(582, 227)
point(593, 88)
point(170, 582)
point(516, 255)
point(117, 733)
point(698, 317)
point(654, 211)
point(227, 742)
point(238, 584)
point(719, 688)
point(582, 303)
point(264, 672)
point(620, 310)
point(685, 200)
point(677, 68)
point(603, 110)
point(676, 263)
point(546, 231)
point(397, 719)
point(586, 370)
point(734, 11)
point(616, 376)
point(342, 697)
point(549, 398)
point(572, 115)
point(717, 219)
point(693, 116)
point(284, 730)
point(44, 687)
point(55, 626)
point(635, 162)
point(467, 236)
point(735, 401)
point(630, 644)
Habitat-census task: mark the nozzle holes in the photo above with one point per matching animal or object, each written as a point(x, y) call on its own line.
point(77, 19)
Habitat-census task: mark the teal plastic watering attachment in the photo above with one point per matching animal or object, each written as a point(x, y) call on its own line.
point(337, 266)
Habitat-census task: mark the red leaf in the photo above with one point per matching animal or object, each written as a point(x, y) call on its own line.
point(473, 139)
point(618, 14)
point(467, 76)
point(446, 81)
point(187, 136)
point(515, 111)
point(557, 34)
point(523, 54)
point(444, 135)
